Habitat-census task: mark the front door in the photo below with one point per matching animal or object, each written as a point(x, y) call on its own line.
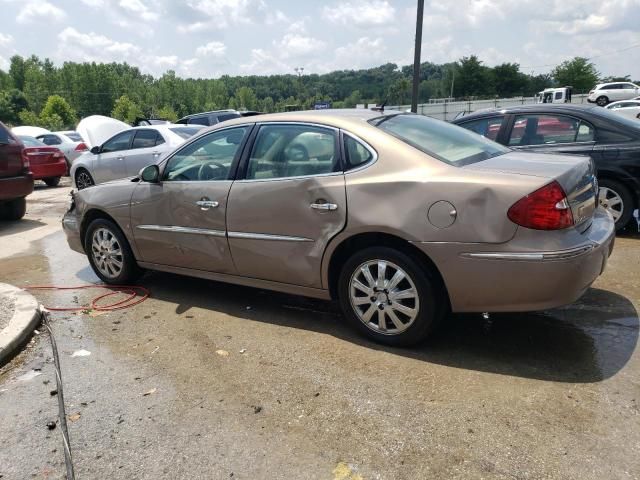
point(144, 150)
point(289, 203)
point(181, 220)
point(109, 164)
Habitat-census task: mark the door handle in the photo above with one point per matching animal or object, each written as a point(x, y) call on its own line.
point(206, 204)
point(324, 206)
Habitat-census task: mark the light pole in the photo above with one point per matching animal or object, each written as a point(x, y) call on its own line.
point(299, 71)
point(416, 57)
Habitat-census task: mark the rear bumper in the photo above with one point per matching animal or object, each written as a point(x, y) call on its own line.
point(16, 187)
point(482, 280)
point(71, 228)
point(47, 170)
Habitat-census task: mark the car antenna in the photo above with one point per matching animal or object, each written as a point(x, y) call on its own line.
point(380, 108)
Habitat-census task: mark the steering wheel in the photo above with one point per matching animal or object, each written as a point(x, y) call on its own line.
point(208, 167)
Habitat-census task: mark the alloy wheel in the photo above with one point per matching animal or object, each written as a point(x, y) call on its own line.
point(384, 297)
point(83, 180)
point(107, 253)
point(611, 201)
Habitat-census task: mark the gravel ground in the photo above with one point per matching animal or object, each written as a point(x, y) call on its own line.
point(7, 306)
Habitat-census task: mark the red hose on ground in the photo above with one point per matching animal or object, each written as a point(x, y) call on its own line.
point(135, 294)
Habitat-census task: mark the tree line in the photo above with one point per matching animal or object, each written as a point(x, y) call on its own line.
point(34, 91)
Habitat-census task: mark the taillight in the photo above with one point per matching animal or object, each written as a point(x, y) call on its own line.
point(81, 147)
point(544, 209)
point(25, 160)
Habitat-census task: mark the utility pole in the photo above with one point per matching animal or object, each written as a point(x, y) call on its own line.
point(416, 57)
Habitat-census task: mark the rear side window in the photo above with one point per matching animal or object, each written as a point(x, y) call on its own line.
point(199, 121)
point(549, 130)
point(357, 154)
point(145, 139)
point(487, 127)
point(75, 136)
point(448, 143)
point(228, 116)
point(50, 140)
point(185, 132)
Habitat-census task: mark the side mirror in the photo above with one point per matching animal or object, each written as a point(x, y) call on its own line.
point(95, 150)
point(150, 174)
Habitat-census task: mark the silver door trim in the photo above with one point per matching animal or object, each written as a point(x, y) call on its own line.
point(266, 236)
point(189, 230)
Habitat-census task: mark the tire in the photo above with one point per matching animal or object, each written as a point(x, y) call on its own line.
point(83, 179)
point(611, 192)
point(602, 101)
point(14, 209)
point(428, 304)
point(52, 181)
point(98, 245)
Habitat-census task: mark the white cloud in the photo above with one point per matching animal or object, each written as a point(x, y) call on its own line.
point(263, 62)
point(295, 45)
point(4, 63)
point(74, 45)
point(362, 13)
point(212, 49)
point(5, 40)
point(363, 52)
point(94, 3)
point(34, 10)
point(138, 8)
point(218, 14)
point(276, 17)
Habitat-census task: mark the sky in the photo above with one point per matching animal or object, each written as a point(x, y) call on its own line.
point(209, 38)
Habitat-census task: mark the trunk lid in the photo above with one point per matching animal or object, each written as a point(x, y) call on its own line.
point(42, 155)
point(575, 173)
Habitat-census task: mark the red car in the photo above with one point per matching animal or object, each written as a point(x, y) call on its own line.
point(47, 163)
point(16, 180)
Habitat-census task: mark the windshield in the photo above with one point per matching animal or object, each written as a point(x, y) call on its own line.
point(31, 142)
point(446, 142)
point(615, 117)
point(185, 132)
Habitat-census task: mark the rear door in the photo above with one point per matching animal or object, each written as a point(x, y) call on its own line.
point(288, 204)
point(144, 151)
point(181, 220)
point(109, 163)
point(538, 132)
point(10, 154)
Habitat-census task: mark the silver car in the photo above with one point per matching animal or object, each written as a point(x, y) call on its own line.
point(68, 142)
point(124, 154)
point(401, 218)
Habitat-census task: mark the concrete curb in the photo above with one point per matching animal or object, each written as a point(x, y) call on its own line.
point(25, 319)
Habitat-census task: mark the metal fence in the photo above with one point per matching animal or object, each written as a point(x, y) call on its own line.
point(450, 110)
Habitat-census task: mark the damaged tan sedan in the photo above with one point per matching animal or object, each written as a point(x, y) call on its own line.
point(399, 217)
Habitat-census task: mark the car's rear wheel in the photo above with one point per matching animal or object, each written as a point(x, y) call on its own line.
point(83, 179)
point(617, 199)
point(14, 209)
point(109, 253)
point(52, 181)
point(389, 297)
point(602, 101)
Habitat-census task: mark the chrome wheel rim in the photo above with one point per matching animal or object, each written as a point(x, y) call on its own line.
point(384, 297)
point(601, 101)
point(83, 180)
point(611, 201)
point(107, 253)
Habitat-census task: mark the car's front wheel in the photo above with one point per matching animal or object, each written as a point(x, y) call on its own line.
point(83, 179)
point(52, 181)
point(602, 101)
point(389, 297)
point(109, 253)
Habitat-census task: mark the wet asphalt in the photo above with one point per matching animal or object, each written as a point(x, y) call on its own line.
point(213, 381)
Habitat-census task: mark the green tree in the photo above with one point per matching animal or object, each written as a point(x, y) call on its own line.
point(246, 98)
point(508, 80)
point(167, 113)
point(57, 106)
point(354, 99)
point(27, 117)
point(53, 122)
point(472, 78)
point(11, 104)
point(579, 73)
point(126, 110)
point(267, 105)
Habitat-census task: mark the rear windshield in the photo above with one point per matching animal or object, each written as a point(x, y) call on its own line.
point(75, 136)
point(31, 142)
point(449, 143)
point(616, 117)
point(185, 132)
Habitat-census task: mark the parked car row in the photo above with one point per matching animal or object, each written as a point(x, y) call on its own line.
point(605, 93)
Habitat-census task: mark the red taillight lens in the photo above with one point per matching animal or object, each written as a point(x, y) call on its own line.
point(544, 209)
point(25, 160)
point(81, 147)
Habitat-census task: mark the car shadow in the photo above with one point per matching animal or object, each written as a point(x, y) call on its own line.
point(588, 341)
point(19, 226)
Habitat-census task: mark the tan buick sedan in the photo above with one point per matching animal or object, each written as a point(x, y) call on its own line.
point(399, 217)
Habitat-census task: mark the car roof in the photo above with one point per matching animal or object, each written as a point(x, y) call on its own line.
point(210, 113)
point(538, 107)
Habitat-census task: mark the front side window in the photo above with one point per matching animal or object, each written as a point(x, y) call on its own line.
point(208, 158)
point(117, 143)
point(549, 130)
point(282, 151)
point(357, 153)
point(487, 127)
point(558, 96)
point(448, 143)
point(145, 139)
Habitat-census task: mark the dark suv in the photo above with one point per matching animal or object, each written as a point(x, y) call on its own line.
point(16, 180)
point(209, 118)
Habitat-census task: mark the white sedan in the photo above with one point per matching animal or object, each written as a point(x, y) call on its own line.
point(127, 152)
point(628, 108)
point(68, 142)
